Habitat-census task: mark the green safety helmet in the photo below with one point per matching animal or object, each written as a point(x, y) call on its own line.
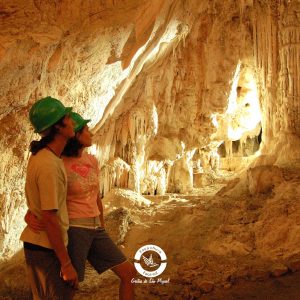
point(46, 112)
point(79, 121)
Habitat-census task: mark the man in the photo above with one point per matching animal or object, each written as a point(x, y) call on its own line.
point(51, 273)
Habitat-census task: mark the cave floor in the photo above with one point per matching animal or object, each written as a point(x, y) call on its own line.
point(211, 243)
point(106, 286)
point(283, 288)
point(208, 239)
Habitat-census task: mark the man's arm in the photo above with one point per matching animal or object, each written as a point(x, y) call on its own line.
point(54, 235)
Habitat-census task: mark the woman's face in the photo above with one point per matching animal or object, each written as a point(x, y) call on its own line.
point(68, 130)
point(84, 137)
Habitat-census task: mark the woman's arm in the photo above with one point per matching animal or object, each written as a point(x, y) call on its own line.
point(33, 222)
point(100, 206)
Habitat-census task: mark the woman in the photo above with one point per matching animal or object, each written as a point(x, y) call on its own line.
point(47, 260)
point(88, 239)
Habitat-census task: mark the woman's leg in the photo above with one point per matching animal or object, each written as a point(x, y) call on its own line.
point(80, 240)
point(126, 272)
point(104, 254)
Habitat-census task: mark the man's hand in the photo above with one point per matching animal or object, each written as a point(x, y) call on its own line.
point(34, 223)
point(54, 235)
point(69, 274)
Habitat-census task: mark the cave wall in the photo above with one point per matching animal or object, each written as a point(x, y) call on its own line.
point(166, 113)
point(77, 51)
point(255, 41)
point(154, 78)
point(276, 51)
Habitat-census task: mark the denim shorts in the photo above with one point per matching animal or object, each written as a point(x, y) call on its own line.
point(93, 245)
point(43, 272)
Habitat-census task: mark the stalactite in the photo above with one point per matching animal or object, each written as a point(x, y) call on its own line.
point(242, 8)
point(125, 129)
point(118, 130)
point(289, 81)
point(266, 51)
point(131, 126)
point(255, 37)
point(155, 178)
point(114, 173)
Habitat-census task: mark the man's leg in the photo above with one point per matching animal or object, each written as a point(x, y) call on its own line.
point(43, 270)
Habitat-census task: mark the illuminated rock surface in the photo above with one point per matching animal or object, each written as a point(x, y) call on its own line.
point(195, 111)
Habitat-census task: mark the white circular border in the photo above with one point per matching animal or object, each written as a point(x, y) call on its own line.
point(156, 249)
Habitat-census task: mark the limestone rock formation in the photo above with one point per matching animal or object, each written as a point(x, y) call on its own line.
point(194, 105)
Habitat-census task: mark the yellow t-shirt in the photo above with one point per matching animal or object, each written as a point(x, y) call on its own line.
point(46, 189)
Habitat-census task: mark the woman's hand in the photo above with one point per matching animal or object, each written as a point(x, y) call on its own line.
point(102, 223)
point(34, 223)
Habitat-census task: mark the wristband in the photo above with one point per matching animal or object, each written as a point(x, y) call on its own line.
point(66, 264)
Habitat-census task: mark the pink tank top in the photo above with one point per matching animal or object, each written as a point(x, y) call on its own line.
point(83, 186)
